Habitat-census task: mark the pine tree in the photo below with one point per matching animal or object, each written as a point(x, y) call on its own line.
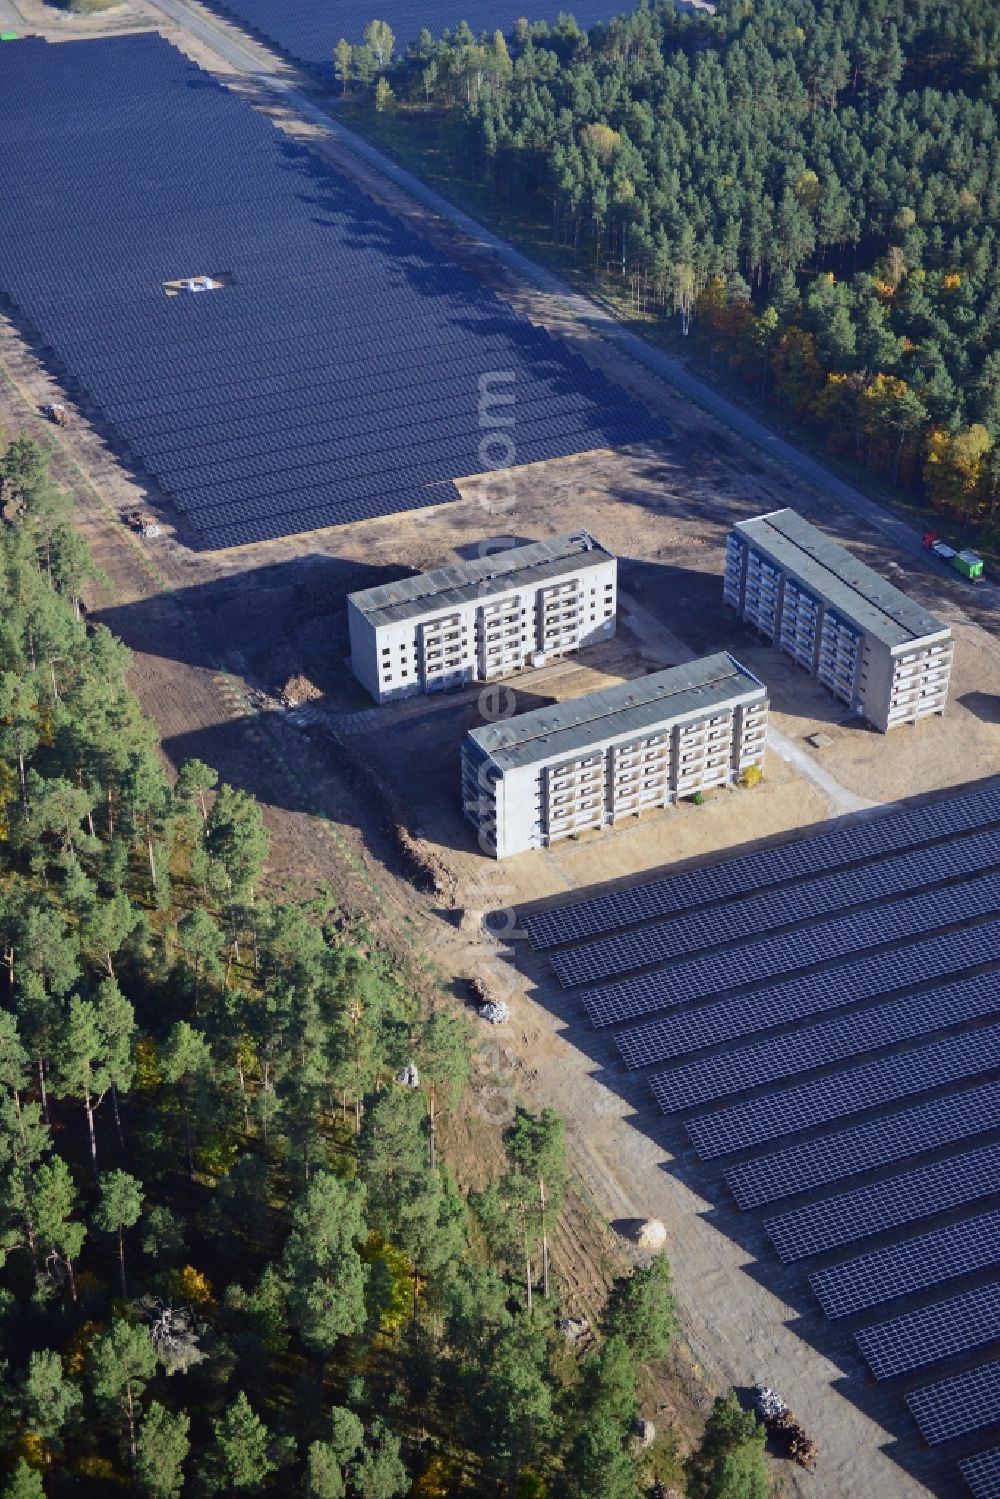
point(641, 1311)
point(49, 1401)
point(537, 1144)
point(326, 1461)
point(118, 1209)
point(59, 1235)
point(162, 1448)
point(324, 1478)
point(601, 1461)
point(81, 1064)
point(513, 1415)
point(24, 1141)
point(326, 1277)
point(347, 1434)
point(116, 1024)
point(443, 1054)
point(186, 1060)
point(393, 1154)
point(24, 1483)
point(201, 942)
point(238, 1456)
point(730, 1462)
point(162, 1235)
point(379, 1472)
point(237, 839)
point(195, 780)
point(121, 1362)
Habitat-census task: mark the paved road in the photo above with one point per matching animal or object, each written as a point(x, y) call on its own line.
point(667, 366)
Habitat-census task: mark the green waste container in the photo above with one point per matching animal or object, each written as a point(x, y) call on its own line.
point(968, 564)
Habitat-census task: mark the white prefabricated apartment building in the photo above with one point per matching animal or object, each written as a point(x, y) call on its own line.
point(593, 760)
point(475, 621)
point(874, 648)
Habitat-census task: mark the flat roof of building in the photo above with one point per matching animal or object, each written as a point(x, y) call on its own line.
point(854, 590)
point(464, 582)
point(582, 723)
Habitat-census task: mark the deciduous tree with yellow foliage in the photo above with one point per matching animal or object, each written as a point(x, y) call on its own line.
point(955, 470)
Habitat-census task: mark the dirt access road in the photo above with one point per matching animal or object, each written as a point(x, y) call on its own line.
point(219, 637)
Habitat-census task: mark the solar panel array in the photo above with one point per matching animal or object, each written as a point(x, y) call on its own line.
point(336, 375)
point(308, 30)
point(954, 1407)
point(865, 1147)
point(855, 844)
point(885, 1204)
point(982, 1474)
point(866, 1086)
point(914, 1265)
point(844, 989)
point(850, 1035)
point(751, 915)
point(818, 943)
point(932, 1333)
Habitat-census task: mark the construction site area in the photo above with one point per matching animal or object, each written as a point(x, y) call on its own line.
point(242, 658)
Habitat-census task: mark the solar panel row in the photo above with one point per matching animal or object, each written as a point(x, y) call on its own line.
point(954, 1407)
point(754, 914)
point(841, 1039)
point(262, 407)
point(824, 1099)
point(822, 943)
point(890, 1203)
point(843, 846)
point(914, 1265)
point(895, 927)
point(866, 1147)
point(933, 1333)
point(982, 1474)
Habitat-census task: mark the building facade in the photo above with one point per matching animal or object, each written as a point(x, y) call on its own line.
point(594, 760)
point(874, 648)
point(475, 621)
